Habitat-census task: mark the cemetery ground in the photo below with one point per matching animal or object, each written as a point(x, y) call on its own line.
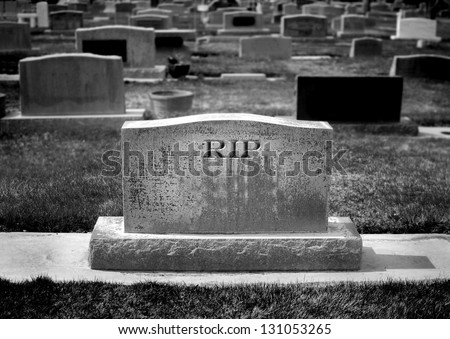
point(50, 182)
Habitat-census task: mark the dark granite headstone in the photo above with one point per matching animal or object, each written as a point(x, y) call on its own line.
point(169, 42)
point(422, 66)
point(244, 21)
point(66, 20)
point(304, 26)
point(366, 47)
point(106, 47)
point(124, 7)
point(14, 36)
point(56, 8)
point(370, 99)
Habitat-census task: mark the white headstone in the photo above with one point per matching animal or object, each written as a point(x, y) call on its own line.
point(42, 14)
point(416, 29)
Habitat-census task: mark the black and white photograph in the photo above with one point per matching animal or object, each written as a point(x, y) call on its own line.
point(246, 168)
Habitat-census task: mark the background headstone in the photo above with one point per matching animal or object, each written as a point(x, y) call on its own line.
point(138, 42)
point(421, 65)
point(42, 14)
point(14, 36)
point(66, 20)
point(304, 26)
point(71, 84)
point(366, 47)
point(152, 21)
point(417, 29)
point(349, 99)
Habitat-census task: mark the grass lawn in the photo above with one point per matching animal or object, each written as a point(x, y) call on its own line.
point(51, 182)
point(44, 298)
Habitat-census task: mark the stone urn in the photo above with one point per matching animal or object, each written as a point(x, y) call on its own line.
point(171, 103)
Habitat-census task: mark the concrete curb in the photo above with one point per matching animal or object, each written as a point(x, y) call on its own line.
point(65, 257)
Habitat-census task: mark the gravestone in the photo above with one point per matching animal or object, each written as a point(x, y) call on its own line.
point(290, 9)
point(386, 21)
point(42, 14)
point(216, 18)
point(416, 29)
point(366, 47)
point(155, 11)
point(136, 45)
point(56, 8)
point(242, 23)
point(152, 21)
point(14, 36)
point(71, 84)
point(304, 26)
point(123, 12)
point(323, 9)
point(225, 192)
point(349, 98)
point(265, 47)
point(350, 25)
point(380, 7)
point(422, 66)
point(124, 7)
point(66, 20)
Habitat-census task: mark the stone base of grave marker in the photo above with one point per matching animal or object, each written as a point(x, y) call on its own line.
point(338, 249)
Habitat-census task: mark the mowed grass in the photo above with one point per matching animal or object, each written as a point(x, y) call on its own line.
point(44, 298)
point(52, 182)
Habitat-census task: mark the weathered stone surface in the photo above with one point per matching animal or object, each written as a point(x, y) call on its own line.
point(366, 47)
point(228, 185)
point(416, 29)
point(421, 65)
point(265, 47)
point(71, 84)
point(14, 36)
point(303, 25)
point(349, 98)
point(136, 45)
point(338, 248)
